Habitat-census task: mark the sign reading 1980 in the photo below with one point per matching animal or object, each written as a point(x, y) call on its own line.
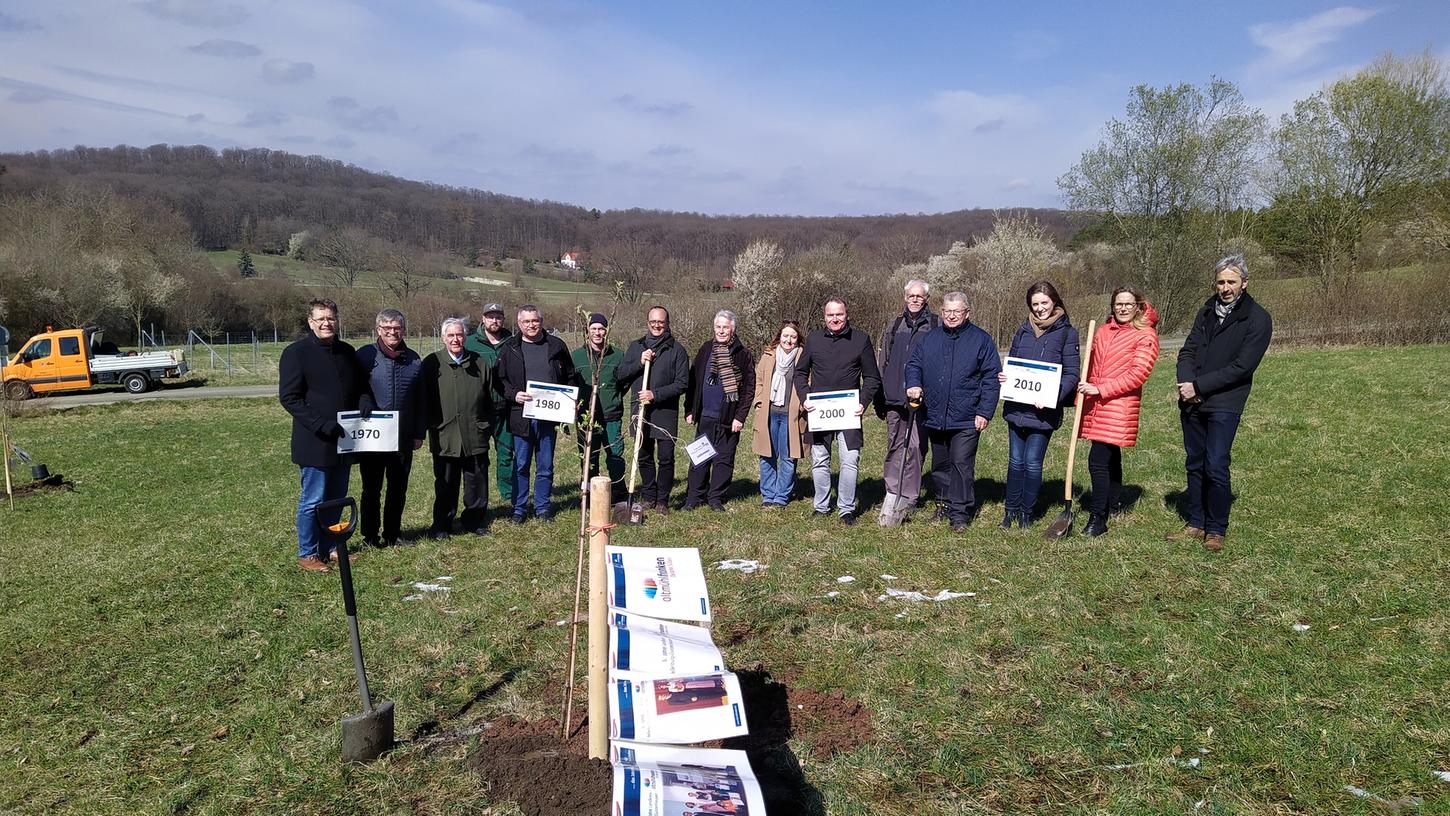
point(552, 403)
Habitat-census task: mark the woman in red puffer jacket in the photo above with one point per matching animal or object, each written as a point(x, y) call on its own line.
point(1124, 351)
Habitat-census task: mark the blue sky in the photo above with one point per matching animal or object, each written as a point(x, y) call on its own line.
point(727, 107)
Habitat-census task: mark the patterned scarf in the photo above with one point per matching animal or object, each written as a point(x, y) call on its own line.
point(725, 369)
point(1223, 310)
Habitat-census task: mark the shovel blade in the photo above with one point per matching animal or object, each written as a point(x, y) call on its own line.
point(367, 735)
point(619, 512)
point(1061, 527)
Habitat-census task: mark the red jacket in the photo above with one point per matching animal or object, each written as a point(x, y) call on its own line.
point(1122, 359)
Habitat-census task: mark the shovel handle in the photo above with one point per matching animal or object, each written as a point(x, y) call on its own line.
point(1077, 415)
point(638, 430)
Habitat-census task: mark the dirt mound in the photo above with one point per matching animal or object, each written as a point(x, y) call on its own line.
point(828, 721)
point(46, 485)
point(527, 763)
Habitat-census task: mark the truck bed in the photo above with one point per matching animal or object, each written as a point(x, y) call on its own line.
point(135, 362)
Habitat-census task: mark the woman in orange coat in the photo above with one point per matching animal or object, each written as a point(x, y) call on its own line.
point(1124, 351)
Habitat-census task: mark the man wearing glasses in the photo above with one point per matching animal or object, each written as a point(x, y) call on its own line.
point(905, 443)
point(954, 371)
point(392, 370)
point(532, 354)
point(669, 376)
point(318, 376)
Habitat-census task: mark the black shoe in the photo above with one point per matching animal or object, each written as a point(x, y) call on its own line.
point(1024, 519)
point(1096, 526)
point(372, 542)
point(820, 513)
point(718, 508)
point(848, 519)
point(941, 513)
point(545, 517)
point(688, 507)
point(518, 518)
point(1008, 520)
point(438, 535)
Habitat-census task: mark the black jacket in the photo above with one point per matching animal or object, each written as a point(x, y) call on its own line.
point(834, 362)
point(669, 377)
point(898, 340)
point(744, 362)
point(316, 380)
point(1220, 359)
point(512, 379)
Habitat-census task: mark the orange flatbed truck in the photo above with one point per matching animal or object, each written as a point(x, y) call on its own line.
point(73, 359)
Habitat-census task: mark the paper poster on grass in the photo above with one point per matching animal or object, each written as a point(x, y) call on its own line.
point(658, 647)
point(659, 780)
point(675, 709)
point(660, 582)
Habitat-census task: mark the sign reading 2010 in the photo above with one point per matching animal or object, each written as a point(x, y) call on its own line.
point(1031, 382)
point(551, 403)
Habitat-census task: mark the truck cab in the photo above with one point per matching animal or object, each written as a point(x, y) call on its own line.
point(75, 359)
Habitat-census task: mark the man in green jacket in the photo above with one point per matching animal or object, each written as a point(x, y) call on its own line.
point(459, 386)
point(594, 365)
point(484, 341)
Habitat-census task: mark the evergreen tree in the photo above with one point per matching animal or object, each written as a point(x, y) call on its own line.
point(245, 266)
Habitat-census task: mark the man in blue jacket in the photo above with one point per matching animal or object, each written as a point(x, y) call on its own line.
point(392, 371)
point(1215, 372)
point(318, 376)
point(954, 370)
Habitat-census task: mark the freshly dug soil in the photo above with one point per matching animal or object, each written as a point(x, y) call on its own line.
point(527, 763)
point(55, 482)
point(828, 722)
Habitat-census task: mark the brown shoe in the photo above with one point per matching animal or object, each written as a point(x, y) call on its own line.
point(1188, 533)
point(312, 564)
point(1213, 543)
point(662, 508)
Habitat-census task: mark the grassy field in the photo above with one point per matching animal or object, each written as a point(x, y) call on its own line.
point(165, 656)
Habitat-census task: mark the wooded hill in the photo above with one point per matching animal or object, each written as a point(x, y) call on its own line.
point(258, 198)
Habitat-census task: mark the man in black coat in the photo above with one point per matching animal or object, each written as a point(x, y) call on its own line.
point(722, 388)
point(318, 376)
point(905, 442)
point(532, 354)
point(669, 376)
point(837, 357)
point(1215, 372)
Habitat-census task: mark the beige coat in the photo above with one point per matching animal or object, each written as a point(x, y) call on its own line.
point(760, 441)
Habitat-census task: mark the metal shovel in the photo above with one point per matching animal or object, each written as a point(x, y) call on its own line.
point(632, 511)
point(897, 512)
point(367, 735)
point(1062, 525)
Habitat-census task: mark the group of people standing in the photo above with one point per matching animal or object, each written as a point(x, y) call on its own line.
point(934, 377)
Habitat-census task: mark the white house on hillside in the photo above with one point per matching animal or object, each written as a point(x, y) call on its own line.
point(569, 260)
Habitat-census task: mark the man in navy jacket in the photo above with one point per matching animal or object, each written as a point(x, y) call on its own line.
point(954, 370)
point(318, 376)
point(392, 371)
point(1215, 372)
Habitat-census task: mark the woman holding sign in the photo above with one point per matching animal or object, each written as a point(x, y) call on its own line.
point(780, 421)
point(722, 375)
point(1048, 338)
point(1124, 351)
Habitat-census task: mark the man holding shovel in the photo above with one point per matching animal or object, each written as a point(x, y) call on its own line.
point(1215, 372)
point(905, 443)
point(595, 367)
point(669, 376)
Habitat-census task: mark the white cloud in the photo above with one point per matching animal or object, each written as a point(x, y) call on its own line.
point(1301, 43)
point(284, 72)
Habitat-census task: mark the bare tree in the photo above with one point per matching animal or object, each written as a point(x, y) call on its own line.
point(346, 254)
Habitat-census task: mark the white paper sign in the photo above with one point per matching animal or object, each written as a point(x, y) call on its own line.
point(661, 648)
point(661, 582)
point(1031, 382)
point(376, 434)
point(552, 403)
point(683, 709)
point(701, 451)
point(834, 411)
point(665, 780)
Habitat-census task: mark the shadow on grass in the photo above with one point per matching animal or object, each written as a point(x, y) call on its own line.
point(432, 727)
point(768, 713)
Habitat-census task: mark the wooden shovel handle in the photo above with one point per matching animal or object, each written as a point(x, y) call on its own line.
point(638, 429)
point(1077, 414)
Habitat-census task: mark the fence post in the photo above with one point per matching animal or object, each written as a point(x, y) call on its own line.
point(598, 678)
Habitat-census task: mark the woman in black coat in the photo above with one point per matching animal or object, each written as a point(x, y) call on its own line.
point(1046, 336)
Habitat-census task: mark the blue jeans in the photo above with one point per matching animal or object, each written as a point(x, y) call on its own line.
point(318, 485)
point(777, 471)
point(538, 443)
point(1208, 439)
point(1026, 449)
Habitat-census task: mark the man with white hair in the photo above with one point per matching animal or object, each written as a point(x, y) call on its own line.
point(905, 443)
point(722, 385)
point(1215, 372)
point(459, 385)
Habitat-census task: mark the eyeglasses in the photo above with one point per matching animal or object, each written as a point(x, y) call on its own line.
point(955, 311)
point(323, 319)
point(390, 329)
point(1125, 305)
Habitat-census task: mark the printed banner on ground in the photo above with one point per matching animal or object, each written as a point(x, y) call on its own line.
point(661, 648)
point(675, 709)
point(661, 582)
point(833, 411)
point(1031, 382)
point(551, 403)
point(376, 434)
point(657, 780)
